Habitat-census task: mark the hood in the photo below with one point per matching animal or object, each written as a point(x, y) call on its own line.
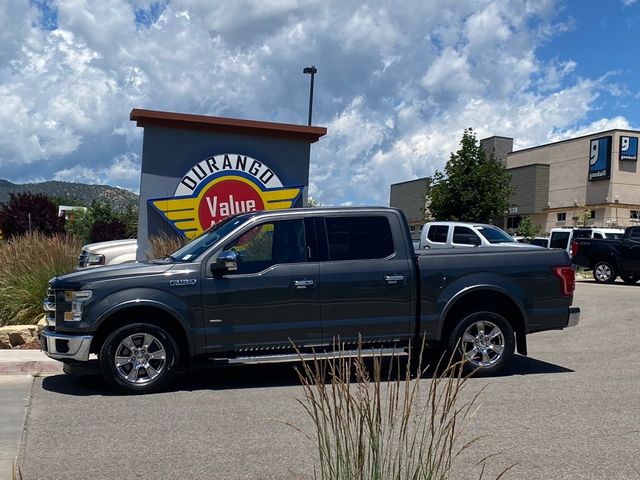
point(96, 247)
point(81, 278)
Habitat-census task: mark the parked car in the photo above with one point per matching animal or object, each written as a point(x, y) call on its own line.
point(258, 284)
point(563, 237)
point(463, 235)
point(609, 258)
point(108, 253)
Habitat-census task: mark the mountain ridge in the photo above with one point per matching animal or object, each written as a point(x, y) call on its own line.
point(73, 192)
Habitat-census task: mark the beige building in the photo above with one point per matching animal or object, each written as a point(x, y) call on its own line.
point(593, 179)
point(410, 198)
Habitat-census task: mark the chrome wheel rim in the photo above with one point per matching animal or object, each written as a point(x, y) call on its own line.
point(603, 272)
point(482, 344)
point(140, 358)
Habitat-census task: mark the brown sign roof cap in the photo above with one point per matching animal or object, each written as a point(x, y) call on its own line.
point(147, 118)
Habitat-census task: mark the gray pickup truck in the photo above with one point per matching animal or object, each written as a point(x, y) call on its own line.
point(259, 283)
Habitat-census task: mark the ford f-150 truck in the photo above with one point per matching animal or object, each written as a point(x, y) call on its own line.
point(258, 284)
point(610, 258)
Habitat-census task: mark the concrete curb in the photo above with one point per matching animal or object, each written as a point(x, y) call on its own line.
point(29, 368)
point(27, 362)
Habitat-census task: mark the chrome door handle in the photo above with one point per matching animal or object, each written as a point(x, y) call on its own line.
point(303, 283)
point(393, 278)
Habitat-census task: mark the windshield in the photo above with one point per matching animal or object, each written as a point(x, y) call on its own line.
point(614, 236)
point(495, 235)
point(199, 245)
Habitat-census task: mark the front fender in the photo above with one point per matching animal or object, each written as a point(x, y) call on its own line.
point(143, 297)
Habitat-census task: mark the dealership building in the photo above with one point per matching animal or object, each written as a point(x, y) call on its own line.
point(594, 178)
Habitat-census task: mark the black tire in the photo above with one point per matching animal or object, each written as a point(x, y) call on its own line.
point(630, 279)
point(604, 272)
point(492, 354)
point(143, 347)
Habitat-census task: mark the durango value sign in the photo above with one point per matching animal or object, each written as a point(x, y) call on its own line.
point(220, 186)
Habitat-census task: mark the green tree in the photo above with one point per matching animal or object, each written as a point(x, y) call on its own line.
point(583, 216)
point(312, 202)
point(527, 228)
point(130, 219)
point(473, 187)
point(79, 224)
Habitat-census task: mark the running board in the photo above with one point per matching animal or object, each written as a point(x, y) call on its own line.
point(294, 357)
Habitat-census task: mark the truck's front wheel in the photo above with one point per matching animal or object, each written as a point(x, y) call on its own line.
point(484, 340)
point(138, 358)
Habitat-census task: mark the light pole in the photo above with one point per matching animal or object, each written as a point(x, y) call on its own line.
point(310, 71)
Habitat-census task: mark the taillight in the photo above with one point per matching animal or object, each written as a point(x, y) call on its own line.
point(574, 249)
point(567, 280)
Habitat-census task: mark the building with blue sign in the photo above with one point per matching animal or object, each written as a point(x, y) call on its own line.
point(592, 179)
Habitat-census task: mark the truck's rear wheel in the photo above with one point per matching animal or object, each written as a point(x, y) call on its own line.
point(604, 272)
point(138, 358)
point(484, 340)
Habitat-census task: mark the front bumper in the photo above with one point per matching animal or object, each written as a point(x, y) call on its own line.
point(574, 317)
point(66, 347)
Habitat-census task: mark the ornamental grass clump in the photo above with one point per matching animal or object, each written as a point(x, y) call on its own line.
point(370, 426)
point(163, 245)
point(27, 262)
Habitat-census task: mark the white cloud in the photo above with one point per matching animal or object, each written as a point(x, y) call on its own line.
point(397, 83)
point(122, 171)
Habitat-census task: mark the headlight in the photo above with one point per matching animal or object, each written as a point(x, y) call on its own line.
point(95, 259)
point(77, 299)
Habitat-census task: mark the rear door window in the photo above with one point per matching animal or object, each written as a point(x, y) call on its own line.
point(465, 236)
point(559, 240)
point(438, 233)
point(359, 238)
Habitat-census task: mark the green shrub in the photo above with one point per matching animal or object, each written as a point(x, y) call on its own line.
point(103, 231)
point(27, 263)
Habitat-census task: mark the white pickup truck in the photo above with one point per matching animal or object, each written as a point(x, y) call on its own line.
point(465, 234)
point(108, 253)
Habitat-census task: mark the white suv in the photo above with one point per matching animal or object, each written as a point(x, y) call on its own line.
point(465, 234)
point(563, 237)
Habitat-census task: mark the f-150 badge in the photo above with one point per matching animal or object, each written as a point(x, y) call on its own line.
point(220, 186)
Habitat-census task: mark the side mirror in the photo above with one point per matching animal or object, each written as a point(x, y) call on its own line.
point(226, 262)
point(475, 240)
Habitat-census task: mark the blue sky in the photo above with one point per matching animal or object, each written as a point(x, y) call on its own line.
point(398, 81)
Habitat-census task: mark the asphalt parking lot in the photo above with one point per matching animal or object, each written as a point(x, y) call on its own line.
point(569, 410)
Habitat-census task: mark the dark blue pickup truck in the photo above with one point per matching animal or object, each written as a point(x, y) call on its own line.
point(610, 258)
point(258, 284)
